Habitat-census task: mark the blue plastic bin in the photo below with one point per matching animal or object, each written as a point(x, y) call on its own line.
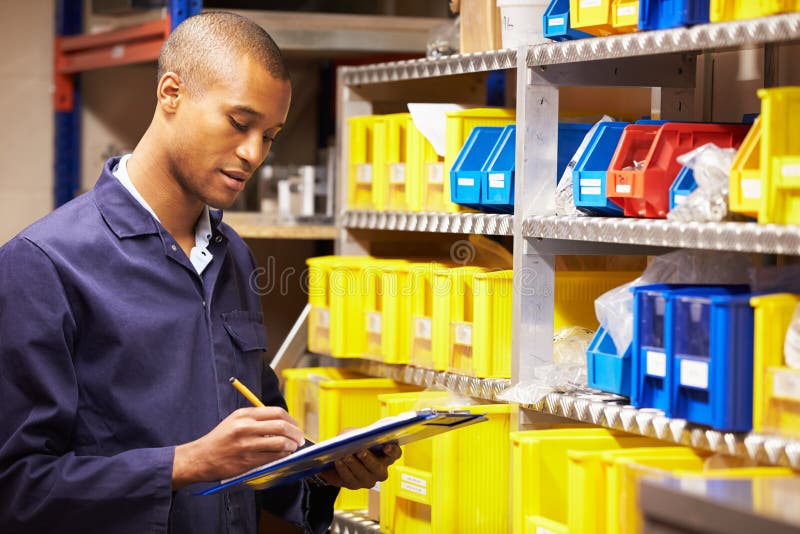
point(497, 175)
point(710, 348)
point(570, 137)
point(608, 369)
point(555, 22)
point(589, 175)
point(683, 185)
point(662, 14)
point(465, 175)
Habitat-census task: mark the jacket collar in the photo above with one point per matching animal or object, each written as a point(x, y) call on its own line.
point(123, 213)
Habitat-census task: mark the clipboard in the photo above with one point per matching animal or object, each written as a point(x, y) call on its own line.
point(401, 429)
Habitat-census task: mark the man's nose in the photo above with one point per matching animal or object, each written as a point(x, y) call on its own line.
point(251, 150)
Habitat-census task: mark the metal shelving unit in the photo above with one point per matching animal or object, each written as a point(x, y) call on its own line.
point(454, 223)
point(353, 522)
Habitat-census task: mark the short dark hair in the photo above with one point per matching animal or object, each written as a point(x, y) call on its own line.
point(202, 46)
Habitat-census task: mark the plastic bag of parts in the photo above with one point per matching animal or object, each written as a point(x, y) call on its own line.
point(565, 204)
point(709, 202)
point(567, 373)
point(439, 397)
point(614, 308)
point(443, 40)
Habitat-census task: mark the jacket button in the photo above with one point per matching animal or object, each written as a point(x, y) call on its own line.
point(218, 239)
point(174, 248)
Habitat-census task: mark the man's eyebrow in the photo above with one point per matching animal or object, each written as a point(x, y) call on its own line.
point(248, 110)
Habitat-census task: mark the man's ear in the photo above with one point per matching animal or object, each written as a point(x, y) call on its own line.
point(170, 92)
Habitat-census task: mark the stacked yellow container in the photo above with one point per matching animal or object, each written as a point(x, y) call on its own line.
point(722, 10)
point(604, 17)
point(361, 171)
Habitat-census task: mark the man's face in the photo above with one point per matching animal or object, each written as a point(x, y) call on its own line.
point(222, 134)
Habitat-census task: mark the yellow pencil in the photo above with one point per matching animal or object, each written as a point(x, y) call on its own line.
point(255, 401)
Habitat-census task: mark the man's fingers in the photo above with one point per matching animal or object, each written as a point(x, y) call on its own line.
point(279, 428)
point(376, 467)
point(346, 475)
point(267, 413)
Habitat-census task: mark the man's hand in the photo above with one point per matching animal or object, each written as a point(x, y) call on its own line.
point(363, 469)
point(247, 438)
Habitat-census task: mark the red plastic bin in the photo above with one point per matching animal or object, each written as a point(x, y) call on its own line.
point(644, 192)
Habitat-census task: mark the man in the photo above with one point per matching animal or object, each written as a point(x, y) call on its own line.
point(124, 313)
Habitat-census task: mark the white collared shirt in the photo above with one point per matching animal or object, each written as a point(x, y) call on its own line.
point(200, 256)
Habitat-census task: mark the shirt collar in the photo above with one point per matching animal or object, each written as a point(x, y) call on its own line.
point(125, 215)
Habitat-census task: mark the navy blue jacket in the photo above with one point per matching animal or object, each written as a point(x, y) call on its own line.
point(112, 351)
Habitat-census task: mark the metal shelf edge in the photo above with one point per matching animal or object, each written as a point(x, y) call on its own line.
point(454, 223)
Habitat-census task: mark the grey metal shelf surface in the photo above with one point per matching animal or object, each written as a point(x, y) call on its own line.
point(352, 522)
point(717, 36)
point(732, 236)
point(602, 409)
point(454, 223)
point(430, 68)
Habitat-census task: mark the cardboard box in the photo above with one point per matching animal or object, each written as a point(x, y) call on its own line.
point(480, 26)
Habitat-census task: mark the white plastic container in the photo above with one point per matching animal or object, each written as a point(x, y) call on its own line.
point(521, 22)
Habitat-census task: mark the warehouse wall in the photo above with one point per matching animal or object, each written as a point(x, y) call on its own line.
point(26, 136)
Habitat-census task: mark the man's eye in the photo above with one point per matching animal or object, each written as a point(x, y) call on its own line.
point(239, 126)
point(269, 139)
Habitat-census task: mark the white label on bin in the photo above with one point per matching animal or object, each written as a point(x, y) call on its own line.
point(422, 328)
point(680, 199)
point(497, 180)
point(590, 182)
point(694, 374)
point(414, 489)
point(590, 3)
point(791, 170)
point(751, 188)
point(590, 191)
point(556, 21)
point(694, 484)
point(364, 173)
point(464, 334)
point(324, 317)
point(436, 172)
point(786, 385)
point(656, 363)
point(374, 322)
point(397, 173)
point(414, 480)
point(623, 188)
point(466, 181)
point(624, 11)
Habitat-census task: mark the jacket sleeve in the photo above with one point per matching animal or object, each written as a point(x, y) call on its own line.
point(43, 481)
point(301, 503)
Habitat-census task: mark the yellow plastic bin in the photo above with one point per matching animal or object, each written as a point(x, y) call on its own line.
point(389, 188)
point(625, 15)
point(377, 327)
point(459, 483)
point(347, 298)
point(458, 126)
point(319, 318)
point(576, 292)
point(361, 171)
point(597, 16)
point(421, 278)
point(481, 336)
point(780, 155)
point(333, 401)
point(424, 171)
point(450, 288)
point(722, 10)
point(589, 498)
point(540, 485)
point(745, 176)
point(776, 386)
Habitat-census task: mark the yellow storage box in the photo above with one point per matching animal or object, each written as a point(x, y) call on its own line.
point(450, 288)
point(421, 278)
point(334, 400)
point(540, 483)
point(389, 184)
point(576, 292)
point(463, 487)
point(722, 10)
point(361, 171)
point(347, 299)
point(625, 15)
point(424, 172)
point(597, 16)
point(319, 318)
point(481, 328)
point(780, 156)
point(776, 386)
point(458, 126)
point(746, 173)
point(377, 327)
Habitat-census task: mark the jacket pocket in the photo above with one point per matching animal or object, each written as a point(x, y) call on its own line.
point(246, 329)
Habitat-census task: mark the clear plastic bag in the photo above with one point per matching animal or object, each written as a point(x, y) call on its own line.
point(565, 204)
point(443, 40)
point(614, 308)
point(567, 373)
point(709, 202)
